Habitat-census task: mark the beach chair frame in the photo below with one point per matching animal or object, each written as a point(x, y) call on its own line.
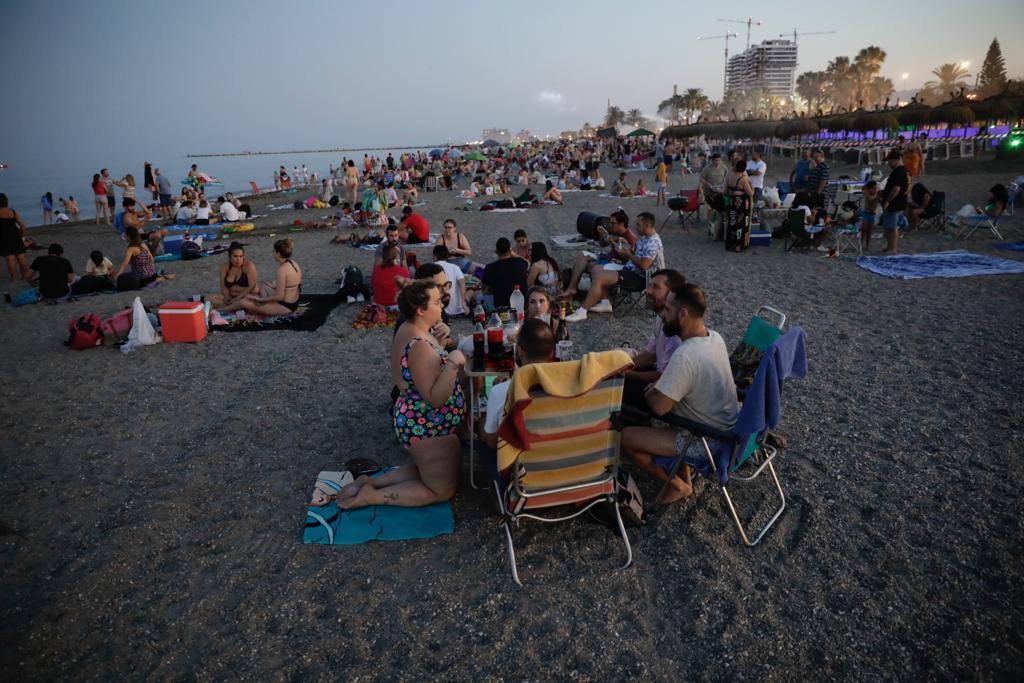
point(588, 493)
point(625, 300)
point(969, 224)
point(937, 218)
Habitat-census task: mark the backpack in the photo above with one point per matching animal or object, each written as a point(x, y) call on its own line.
point(352, 284)
point(629, 501)
point(190, 250)
point(84, 332)
point(116, 328)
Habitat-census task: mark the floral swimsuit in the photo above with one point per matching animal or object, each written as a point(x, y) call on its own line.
point(415, 418)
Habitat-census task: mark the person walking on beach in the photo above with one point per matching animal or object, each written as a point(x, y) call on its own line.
point(351, 182)
point(108, 185)
point(99, 192)
point(894, 200)
point(12, 241)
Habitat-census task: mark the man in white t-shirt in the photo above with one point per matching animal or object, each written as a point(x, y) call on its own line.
point(228, 211)
point(457, 304)
point(756, 168)
point(697, 385)
point(535, 344)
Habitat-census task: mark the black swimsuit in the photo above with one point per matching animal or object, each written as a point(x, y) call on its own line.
point(292, 305)
point(242, 281)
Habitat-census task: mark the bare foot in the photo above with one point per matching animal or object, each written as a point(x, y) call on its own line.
point(367, 495)
point(350, 490)
point(677, 490)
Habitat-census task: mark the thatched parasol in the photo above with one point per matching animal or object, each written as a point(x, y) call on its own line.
point(797, 128)
point(993, 109)
point(875, 120)
point(953, 113)
point(914, 114)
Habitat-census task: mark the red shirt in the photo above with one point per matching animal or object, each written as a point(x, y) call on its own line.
point(418, 226)
point(385, 289)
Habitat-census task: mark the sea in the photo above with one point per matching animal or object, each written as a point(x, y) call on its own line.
point(25, 181)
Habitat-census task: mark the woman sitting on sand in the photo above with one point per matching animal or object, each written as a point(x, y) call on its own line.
point(429, 409)
point(238, 277)
point(551, 193)
point(281, 296)
point(139, 259)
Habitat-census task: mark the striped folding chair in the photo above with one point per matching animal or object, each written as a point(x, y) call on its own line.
point(571, 458)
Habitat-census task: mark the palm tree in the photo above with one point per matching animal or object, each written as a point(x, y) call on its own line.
point(694, 100)
point(842, 82)
point(672, 106)
point(634, 117)
point(715, 111)
point(950, 77)
point(614, 116)
point(866, 66)
point(812, 86)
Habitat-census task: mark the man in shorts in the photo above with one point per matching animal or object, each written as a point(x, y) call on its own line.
point(697, 385)
point(163, 188)
point(894, 201)
point(108, 183)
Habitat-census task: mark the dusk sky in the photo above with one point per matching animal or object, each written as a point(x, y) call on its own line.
point(157, 77)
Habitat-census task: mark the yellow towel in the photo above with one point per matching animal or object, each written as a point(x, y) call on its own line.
point(562, 380)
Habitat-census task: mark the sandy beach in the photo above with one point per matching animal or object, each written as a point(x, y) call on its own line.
point(153, 502)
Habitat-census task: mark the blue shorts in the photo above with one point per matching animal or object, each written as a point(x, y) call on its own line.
point(165, 200)
point(869, 218)
point(890, 220)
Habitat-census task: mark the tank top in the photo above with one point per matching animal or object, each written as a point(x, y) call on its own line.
point(142, 264)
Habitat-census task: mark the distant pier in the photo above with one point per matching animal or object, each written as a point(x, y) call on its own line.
point(334, 150)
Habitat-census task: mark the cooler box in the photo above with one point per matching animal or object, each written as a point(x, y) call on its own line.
point(760, 238)
point(172, 243)
point(182, 321)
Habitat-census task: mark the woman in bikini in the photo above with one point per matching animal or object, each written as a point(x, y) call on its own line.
point(458, 246)
point(237, 277)
point(280, 297)
point(429, 409)
point(543, 270)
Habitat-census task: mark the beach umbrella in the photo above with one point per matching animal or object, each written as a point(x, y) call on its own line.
point(640, 132)
point(797, 128)
point(436, 152)
point(993, 109)
point(874, 120)
point(914, 114)
point(475, 156)
point(455, 153)
point(952, 113)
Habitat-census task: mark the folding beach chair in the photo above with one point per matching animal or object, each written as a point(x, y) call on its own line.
point(430, 183)
point(628, 299)
point(256, 188)
point(763, 329)
point(1014, 193)
point(742, 454)
point(968, 224)
point(934, 217)
point(571, 454)
point(796, 231)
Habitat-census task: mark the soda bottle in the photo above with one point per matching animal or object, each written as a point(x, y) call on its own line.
point(478, 341)
point(516, 301)
point(478, 314)
point(495, 338)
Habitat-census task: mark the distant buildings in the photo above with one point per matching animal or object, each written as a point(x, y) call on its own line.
point(496, 134)
point(770, 65)
point(522, 136)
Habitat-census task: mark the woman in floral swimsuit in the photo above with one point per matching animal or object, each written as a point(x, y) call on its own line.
point(426, 415)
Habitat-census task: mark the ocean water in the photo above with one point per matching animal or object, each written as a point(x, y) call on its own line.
point(25, 181)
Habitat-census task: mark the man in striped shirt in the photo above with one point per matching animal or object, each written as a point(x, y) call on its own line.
point(818, 180)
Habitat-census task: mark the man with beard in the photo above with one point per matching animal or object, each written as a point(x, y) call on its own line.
point(697, 385)
point(652, 361)
point(403, 332)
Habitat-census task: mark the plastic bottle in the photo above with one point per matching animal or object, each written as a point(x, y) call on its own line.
point(495, 338)
point(479, 316)
point(479, 349)
point(517, 302)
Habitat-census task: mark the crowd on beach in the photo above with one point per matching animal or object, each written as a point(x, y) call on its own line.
point(684, 367)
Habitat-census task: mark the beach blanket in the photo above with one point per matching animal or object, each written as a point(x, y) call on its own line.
point(650, 195)
point(959, 263)
point(1009, 246)
point(429, 244)
point(572, 241)
point(312, 312)
point(516, 210)
point(329, 525)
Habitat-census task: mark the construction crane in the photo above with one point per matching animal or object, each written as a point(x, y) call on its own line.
point(727, 35)
point(748, 21)
point(804, 33)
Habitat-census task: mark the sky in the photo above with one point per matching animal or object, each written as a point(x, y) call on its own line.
point(91, 80)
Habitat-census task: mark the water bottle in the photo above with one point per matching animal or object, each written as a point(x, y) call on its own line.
point(517, 302)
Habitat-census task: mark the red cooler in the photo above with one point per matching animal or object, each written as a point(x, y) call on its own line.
point(182, 321)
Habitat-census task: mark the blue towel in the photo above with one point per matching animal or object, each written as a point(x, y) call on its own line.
point(958, 263)
point(1009, 246)
point(329, 525)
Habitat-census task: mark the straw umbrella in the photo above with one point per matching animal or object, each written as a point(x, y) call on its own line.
point(875, 120)
point(797, 128)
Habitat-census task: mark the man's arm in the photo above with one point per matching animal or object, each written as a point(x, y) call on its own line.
point(658, 402)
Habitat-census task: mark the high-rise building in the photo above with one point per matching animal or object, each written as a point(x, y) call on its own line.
point(770, 65)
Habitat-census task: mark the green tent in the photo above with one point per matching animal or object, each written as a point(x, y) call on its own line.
point(475, 156)
point(639, 133)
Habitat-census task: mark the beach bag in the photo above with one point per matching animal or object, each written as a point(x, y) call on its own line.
point(127, 282)
point(116, 328)
point(26, 297)
point(84, 332)
point(190, 250)
point(142, 332)
point(352, 284)
point(629, 500)
point(298, 204)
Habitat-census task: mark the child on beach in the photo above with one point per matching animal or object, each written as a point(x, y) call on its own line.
point(869, 213)
point(641, 191)
point(71, 208)
point(661, 183)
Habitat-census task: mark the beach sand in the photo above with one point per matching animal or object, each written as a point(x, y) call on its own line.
point(153, 502)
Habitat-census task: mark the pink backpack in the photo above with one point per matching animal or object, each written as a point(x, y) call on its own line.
point(116, 327)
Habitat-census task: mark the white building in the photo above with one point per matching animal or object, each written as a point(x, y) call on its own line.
point(523, 136)
point(497, 134)
point(770, 65)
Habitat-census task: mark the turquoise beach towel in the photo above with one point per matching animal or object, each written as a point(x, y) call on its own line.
point(329, 525)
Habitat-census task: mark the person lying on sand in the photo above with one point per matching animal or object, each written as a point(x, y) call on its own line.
point(697, 384)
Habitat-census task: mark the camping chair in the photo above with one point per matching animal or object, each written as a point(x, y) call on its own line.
point(687, 206)
point(256, 188)
point(968, 224)
point(430, 183)
point(571, 456)
point(1014, 192)
point(763, 329)
point(934, 216)
point(796, 231)
point(627, 299)
point(743, 448)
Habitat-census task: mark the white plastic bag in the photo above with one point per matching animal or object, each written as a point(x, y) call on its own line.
point(142, 333)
